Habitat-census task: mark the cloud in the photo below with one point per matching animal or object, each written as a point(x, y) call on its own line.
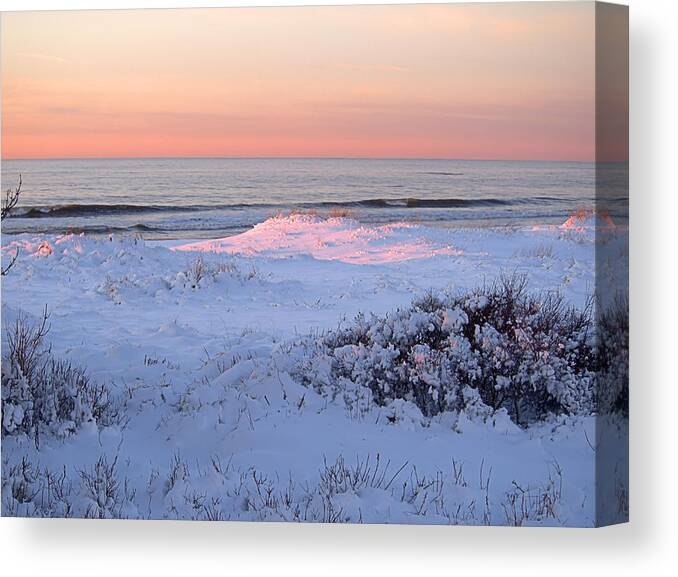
point(43, 57)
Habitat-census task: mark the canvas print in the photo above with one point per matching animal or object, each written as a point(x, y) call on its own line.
point(350, 264)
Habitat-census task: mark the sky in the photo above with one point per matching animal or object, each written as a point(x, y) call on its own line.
point(502, 81)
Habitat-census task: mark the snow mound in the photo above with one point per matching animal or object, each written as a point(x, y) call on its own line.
point(588, 219)
point(339, 239)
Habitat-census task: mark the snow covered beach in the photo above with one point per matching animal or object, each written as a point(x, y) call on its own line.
point(200, 345)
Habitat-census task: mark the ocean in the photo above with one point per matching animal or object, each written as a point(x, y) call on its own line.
point(214, 197)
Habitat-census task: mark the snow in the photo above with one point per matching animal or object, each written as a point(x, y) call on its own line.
point(336, 239)
point(198, 337)
point(588, 220)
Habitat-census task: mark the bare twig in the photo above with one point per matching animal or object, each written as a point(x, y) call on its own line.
point(10, 200)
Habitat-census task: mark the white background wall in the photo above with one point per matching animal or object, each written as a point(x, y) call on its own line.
point(647, 546)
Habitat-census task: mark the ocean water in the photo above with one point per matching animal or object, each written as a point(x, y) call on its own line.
point(215, 197)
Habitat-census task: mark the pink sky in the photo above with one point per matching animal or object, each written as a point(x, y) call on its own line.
point(512, 81)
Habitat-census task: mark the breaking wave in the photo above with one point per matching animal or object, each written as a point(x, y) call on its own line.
point(80, 210)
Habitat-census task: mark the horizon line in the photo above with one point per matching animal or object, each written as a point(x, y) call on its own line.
point(219, 157)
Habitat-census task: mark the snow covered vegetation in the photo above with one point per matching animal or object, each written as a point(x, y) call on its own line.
point(46, 396)
point(317, 369)
point(494, 346)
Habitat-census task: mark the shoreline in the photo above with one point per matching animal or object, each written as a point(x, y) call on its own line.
point(151, 234)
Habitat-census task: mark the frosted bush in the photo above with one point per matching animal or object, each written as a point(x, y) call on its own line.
point(613, 357)
point(44, 395)
point(528, 354)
